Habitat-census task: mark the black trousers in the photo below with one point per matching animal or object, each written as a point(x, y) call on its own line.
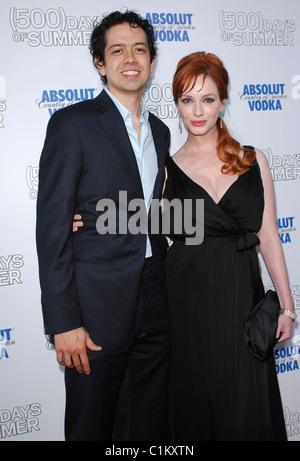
point(125, 396)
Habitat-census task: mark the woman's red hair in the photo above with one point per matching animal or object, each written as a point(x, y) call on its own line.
point(207, 64)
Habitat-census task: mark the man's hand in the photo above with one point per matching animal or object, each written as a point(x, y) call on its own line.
point(71, 349)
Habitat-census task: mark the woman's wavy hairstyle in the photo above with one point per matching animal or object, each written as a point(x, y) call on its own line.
point(98, 37)
point(209, 65)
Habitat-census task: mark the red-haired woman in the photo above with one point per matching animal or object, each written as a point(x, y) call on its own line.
point(218, 390)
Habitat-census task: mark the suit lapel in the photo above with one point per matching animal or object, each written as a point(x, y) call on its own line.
point(112, 122)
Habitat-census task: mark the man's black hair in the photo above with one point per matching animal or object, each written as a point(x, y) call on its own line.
point(98, 37)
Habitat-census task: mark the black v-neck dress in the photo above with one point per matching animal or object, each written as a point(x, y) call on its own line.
point(218, 391)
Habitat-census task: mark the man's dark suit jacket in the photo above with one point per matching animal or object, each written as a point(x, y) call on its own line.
point(88, 279)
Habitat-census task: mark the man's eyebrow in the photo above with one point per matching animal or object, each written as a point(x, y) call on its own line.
point(124, 44)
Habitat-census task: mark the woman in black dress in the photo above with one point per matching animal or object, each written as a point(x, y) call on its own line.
point(218, 390)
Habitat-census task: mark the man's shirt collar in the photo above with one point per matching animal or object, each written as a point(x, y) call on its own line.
point(125, 112)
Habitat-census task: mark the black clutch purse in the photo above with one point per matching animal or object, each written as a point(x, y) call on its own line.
point(261, 325)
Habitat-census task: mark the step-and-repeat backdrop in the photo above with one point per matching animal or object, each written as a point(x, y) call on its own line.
point(45, 65)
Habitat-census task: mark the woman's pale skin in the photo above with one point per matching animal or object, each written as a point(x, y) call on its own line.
point(199, 108)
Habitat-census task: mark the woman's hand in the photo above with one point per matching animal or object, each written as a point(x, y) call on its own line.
point(284, 328)
point(77, 223)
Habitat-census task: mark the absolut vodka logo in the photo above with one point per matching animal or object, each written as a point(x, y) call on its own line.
point(55, 99)
point(287, 358)
point(264, 96)
point(287, 228)
point(6, 341)
point(171, 27)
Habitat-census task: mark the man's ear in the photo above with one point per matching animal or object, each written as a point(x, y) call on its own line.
point(152, 65)
point(100, 66)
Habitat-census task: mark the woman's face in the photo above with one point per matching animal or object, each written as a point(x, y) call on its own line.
point(200, 107)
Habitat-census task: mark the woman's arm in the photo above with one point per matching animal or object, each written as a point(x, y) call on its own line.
point(271, 249)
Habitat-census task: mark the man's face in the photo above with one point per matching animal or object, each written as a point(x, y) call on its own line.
point(127, 60)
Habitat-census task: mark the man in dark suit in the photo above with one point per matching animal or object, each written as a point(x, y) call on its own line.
point(103, 294)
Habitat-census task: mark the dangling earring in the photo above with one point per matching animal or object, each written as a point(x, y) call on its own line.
point(220, 117)
point(180, 124)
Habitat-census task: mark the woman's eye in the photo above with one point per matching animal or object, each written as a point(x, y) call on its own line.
point(186, 100)
point(209, 100)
